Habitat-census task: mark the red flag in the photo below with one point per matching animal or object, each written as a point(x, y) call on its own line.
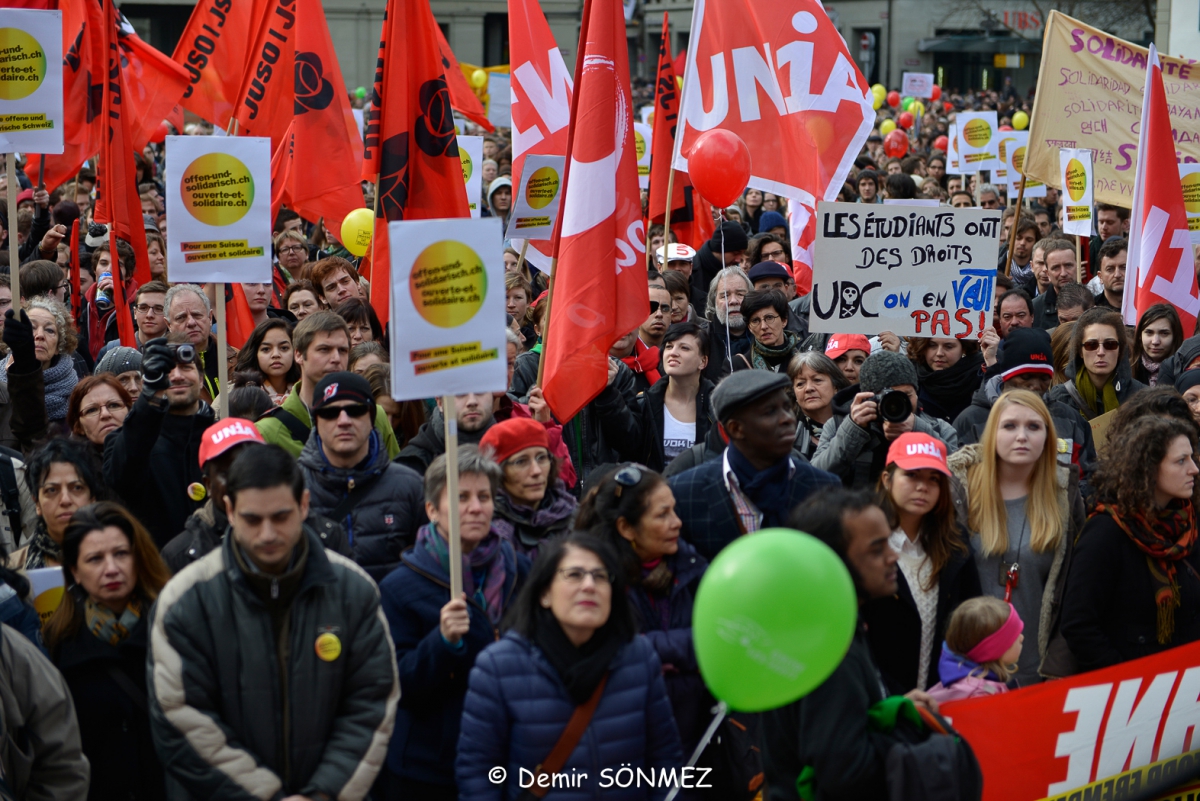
point(666, 114)
point(214, 49)
point(462, 99)
point(76, 294)
point(541, 99)
point(1160, 268)
point(802, 230)
point(315, 171)
point(239, 321)
point(154, 84)
point(600, 289)
point(790, 79)
point(266, 100)
point(411, 148)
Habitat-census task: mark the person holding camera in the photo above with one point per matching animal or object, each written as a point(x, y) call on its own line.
point(870, 415)
point(155, 457)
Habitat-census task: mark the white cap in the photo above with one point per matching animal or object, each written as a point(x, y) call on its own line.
point(675, 252)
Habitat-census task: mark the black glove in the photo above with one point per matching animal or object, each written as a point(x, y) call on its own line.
point(18, 335)
point(158, 360)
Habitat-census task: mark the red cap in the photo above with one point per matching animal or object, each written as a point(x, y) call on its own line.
point(23, 195)
point(839, 344)
point(512, 435)
point(913, 451)
point(220, 437)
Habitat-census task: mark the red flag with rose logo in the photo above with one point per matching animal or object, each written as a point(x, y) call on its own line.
point(214, 50)
point(600, 291)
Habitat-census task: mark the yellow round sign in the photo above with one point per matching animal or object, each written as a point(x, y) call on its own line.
point(22, 64)
point(977, 132)
point(640, 144)
point(542, 187)
point(1076, 179)
point(448, 283)
point(1191, 192)
point(217, 189)
point(329, 647)
point(1018, 159)
point(468, 166)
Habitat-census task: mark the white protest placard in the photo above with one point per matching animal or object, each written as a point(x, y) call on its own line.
point(535, 205)
point(447, 307)
point(470, 151)
point(1018, 144)
point(45, 590)
point(912, 271)
point(219, 204)
point(643, 135)
point(646, 114)
point(953, 163)
point(1189, 176)
point(1000, 175)
point(31, 81)
point(912, 201)
point(917, 84)
point(978, 142)
point(1075, 175)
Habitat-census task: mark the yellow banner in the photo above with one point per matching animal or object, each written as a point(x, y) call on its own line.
point(25, 122)
point(218, 250)
point(1139, 780)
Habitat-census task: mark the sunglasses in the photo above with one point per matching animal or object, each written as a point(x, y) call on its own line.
point(655, 306)
point(628, 476)
point(1095, 344)
point(354, 410)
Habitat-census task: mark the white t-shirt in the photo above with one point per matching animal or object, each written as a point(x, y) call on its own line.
point(677, 436)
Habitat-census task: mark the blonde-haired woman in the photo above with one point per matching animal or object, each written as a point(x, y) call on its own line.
point(1023, 512)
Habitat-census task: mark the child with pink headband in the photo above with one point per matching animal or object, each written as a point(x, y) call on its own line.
point(983, 644)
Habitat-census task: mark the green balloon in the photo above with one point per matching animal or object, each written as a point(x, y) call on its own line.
point(360, 92)
point(773, 618)
point(906, 103)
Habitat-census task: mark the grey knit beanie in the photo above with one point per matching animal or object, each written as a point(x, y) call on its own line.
point(886, 369)
point(120, 360)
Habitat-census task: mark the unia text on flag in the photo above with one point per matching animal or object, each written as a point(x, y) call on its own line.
point(772, 73)
point(214, 49)
point(598, 289)
point(462, 99)
point(541, 88)
point(1161, 267)
point(411, 149)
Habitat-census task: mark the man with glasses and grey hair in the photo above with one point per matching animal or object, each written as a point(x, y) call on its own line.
point(189, 312)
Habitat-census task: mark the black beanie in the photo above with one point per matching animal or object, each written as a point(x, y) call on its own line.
point(735, 238)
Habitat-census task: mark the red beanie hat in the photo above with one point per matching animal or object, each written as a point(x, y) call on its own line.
point(512, 435)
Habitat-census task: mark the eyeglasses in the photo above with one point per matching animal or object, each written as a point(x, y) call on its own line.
point(574, 575)
point(655, 306)
point(114, 408)
point(146, 308)
point(354, 410)
point(294, 249)
point(628, 476)
point(1096, 344)
point(766, 319)
point(774, 255)
point(542, 460)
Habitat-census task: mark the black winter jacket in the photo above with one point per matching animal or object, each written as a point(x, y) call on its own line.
point(428, 444)
point(1123, 383)
point(637, 432)
point(718, 354)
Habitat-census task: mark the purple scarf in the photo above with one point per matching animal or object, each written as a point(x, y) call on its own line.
point(524, 527)
point(484, 571)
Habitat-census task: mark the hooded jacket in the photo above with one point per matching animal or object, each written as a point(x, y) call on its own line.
point(638, 431)
point(276, 433)
point(1124, 384)
point(385, 516)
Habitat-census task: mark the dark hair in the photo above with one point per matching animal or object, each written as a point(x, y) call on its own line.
point(316, 323)
point(1073, 294)
point(918, 345)
point(355, 311)
point(125, 257)
point(1027, 222)
point(1112, 246)
point(58, 451)
point(326, 268)
point(523, 616)
point(1004, 282)
point(1122, 212)
point(284, 217)
point(64, 213)
point(150, 287)
point(652, 277)
point(1160, 401)
point(758, 299)
point(869, 175)
point(602, 507)
point(1159, 311)
point(679, 330)
point(247, 358)
point(1099, 315)
point(958, 192)
point(264, 468)
point(366, 349)
point(940, 533)
point(759, 241)
point(900, 185)
point(1128, 472)
point(249, 402)
point(1015, 293)
point(86, 385)
point(301, 285)
point(675, 282)
point(40, 277)
point(823, 515)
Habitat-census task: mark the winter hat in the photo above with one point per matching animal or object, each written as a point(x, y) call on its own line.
point(120, 360)
point(513, 435)
point(771, 219)
point(340, 387)
point(1024, 351)
point(735, 238)
point(886, 369)
point(23, 195)
point(735, 391)
point(1186, 380)
point(768, 269)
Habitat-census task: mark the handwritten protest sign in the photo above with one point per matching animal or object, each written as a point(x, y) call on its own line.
point(470, 151)
point(910, 270)
point(1018, 145)
point(978, 140)
point(643, 136)
point(31, 81)
point(448, 308)
point(1075, 168)
point(219, 204)
point(535, 206)
point(1189, 175)
point(917, 84)
point(1089, 95)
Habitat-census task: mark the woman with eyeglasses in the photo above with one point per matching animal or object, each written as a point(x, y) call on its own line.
point(1098, 377)
point(772, 346)
point(62, 479)
point(815, 380)
point(40, 369)
point(97, 407)
point(269, 352)
point(571, 642)
point(437, 637)
point(532, 502)
point(950, 371)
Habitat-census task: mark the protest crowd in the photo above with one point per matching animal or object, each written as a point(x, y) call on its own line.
point(251, 544)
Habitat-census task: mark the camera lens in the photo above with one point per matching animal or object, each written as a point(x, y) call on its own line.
point(895, 406)
point(185, 354)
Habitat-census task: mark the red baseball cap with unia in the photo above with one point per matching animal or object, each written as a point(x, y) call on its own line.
point(914, 451)
point(220, 437)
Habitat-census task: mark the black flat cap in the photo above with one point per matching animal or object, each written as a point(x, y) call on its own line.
point(743, 387)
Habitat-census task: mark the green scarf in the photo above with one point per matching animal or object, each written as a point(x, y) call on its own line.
point(104, 624)
point(765, 357)
point(1108, 396)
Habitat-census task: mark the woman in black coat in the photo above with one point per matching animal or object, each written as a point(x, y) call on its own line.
point(98, 638)
point(1134, 585)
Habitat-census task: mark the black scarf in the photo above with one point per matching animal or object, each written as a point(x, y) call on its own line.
point(769, 489)
point(579, 668)
point(945, 393)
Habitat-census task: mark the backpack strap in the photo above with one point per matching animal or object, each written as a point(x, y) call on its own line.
point(572, 734)
point(291, 422)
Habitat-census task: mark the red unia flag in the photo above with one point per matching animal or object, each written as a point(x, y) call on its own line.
point(541, 99)
point(1160, 268)
point(778, 75)
point(600, 286)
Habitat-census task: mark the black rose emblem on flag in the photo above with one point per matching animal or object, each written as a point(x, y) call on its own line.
point(435, 127)
point(313, 92)
point(393, 178)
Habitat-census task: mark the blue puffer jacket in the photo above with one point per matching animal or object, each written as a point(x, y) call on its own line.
point(517, 707)
point(432, 673)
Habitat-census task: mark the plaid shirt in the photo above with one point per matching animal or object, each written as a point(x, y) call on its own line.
point(749, 517)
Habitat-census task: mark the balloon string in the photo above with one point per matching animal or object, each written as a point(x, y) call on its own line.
point(728, 341)
point(719, 712)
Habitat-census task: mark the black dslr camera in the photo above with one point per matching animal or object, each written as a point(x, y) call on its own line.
point(894, 406)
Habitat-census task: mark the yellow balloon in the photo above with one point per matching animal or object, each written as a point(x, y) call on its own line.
point(917, 108)
point(357, 229)
point(479, 79)
point(886, 127)
point(876, 102)
point(1020, 120)
point(879, 90)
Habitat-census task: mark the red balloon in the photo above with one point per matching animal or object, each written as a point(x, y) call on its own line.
point(937, 93)
point(895, 144)
point(893, 98)
point(1006, 127)
point(948, 106)
point(160, 133)
point(905, 120)
point(942, 143)
point(719, 166)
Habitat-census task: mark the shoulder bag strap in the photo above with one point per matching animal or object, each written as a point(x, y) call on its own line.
point(572, 734)
point(291, 422)
point(352, 497)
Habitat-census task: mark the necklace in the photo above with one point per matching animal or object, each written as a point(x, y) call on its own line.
point(1010, 572)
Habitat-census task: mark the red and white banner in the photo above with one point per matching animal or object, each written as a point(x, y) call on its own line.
point(1161, 268)
point(1108, 734)
point(776, 73)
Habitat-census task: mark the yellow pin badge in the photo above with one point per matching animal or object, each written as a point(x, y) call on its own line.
point(329, 647)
